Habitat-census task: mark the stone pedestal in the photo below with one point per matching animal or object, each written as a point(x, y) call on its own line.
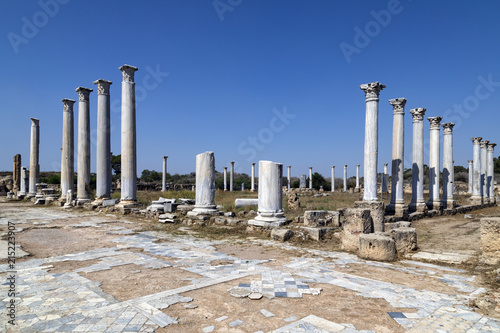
point(491, 173)
point(83, 181)
point(310, 178)
point(477, 197)
point(372, 91)
point(333, 179)
point(345, 178)
point(484, 166)
point(289, 177)
point(205, 185)
point(231, 177)
point(303, 180)
point(270, 212)
point(68, 149)
point(128, 138)
point(164, 176)
point(377, 212)
point(397, 204)
point(252, 186)
point(103, 147)
point(417, 200)
point(448, 167)
point(16, 174)
point(471, 165)
point(34, 157)
point(434, 203)
point(225, 178)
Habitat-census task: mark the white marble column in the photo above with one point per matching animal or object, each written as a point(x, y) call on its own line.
point(333, 178)
point(357, 189)
point(397, 204)
point(484, 167)
point(231, 177)
point(128, 138)
point(83, 180)
point(385, 180)
point(477, 191)
point(205, 185)
point(289, 177)
point(417, 179)
point(345, 178)
point(310, 178)
point(252, 185)
point(34, 157)
point(471, 166)
point(372, 91)
point(270, 212)
point(448, 167)
point(24, 182)
point(68, 149)
point(164, 175)
point(225, 178)
point(434, 166)
point(491, 173)
point(103, 147)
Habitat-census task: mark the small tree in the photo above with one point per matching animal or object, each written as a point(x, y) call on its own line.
point(116, 164)
point(318, 180)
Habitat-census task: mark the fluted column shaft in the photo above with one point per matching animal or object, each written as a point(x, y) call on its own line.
point(357, 176)
point(289, 177)
point(372, 91)
point(471, 171)
point(333, 178)
point(417, 181)
point(398, 128)
point(34, 156)
point(164, 175)
point(128, 137)
point(103, 148)
point(83, 181)
point(68, 149)
point(434, 165)
point(476, 197)
point(448, 167)
point(225, 178)
point(310, 178)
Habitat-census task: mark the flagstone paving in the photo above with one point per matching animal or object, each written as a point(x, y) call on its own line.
point(70, 302)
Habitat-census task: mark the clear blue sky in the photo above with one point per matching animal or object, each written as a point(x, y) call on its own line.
point(230, 63)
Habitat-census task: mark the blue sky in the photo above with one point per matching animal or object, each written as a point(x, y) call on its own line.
point(220, 75)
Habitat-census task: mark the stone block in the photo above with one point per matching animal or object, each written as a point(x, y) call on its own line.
point(185, 208)
point(246, 202)
point(109, 202)
point(394, 225)
point(416, 216)
point(321, 218)
point(281, 235)
point(405, 240)
point(377, 246)
point(377, 212)
point(316, 234)
point(490, 235)
point(170, 207)
point(357, 221)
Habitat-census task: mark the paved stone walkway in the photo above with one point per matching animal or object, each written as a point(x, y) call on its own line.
point(69, 302)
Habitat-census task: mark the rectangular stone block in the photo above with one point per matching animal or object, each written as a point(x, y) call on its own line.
point(321, 218)
point(377, 212)
point(357, 221)
point(490, 235)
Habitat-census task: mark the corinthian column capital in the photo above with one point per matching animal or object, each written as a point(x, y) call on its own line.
point(372, 90)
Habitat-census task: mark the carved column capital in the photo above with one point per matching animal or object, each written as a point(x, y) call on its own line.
point(68, 104)
point(102, 86)
point(398, 105)
point(418, 114)
point(470, 161)
point(434, 121)
point(484, 143)
point(491, 146)
point(448, 127)
point(83, 93)
point(476, 140)
point(372, 90)
point(128, 73)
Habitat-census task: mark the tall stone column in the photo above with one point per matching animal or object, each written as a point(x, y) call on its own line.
point(24, 182)
point(417, 179)
point(164, 176)
point(270, 213)
point(289, 177)
point(357, 189)
point(68, 149)
point(103, 148)
point(471, 166)
point(397, 204)
point(477, 189)
point(333, 178)
point(225, 178)
point(252, 186)
point(83, 180)
point(128, 138)
point(484, 167)
point(310, 178)
point(205, 185)
point(434, 165)
point(448, 167)
point(345, 178)
point(372, 91)
point(231, 177)
point(16, 174)
point(384, 183)
point(34, 157)
point(491, 173)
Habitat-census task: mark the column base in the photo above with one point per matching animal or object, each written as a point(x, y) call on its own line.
point(486, 200)
point(204, 210)
point(420, 207)
point(377, 212)
point(476, 200)
point(434, 205)
point(99, 201)
point(80, 202)
point(30, 195)
point(267, 222)
point(449, 204)
point(397, 209)
point(128, 204)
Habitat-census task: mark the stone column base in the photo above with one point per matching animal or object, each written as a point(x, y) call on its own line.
point(398, 210)
point(267, 222)
point(80, 202)
point(128, 203)
point(377, 212)
point(417, 207)
point(204, 210)
point(434, 205)
point(449, 204)
point(476, 200)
